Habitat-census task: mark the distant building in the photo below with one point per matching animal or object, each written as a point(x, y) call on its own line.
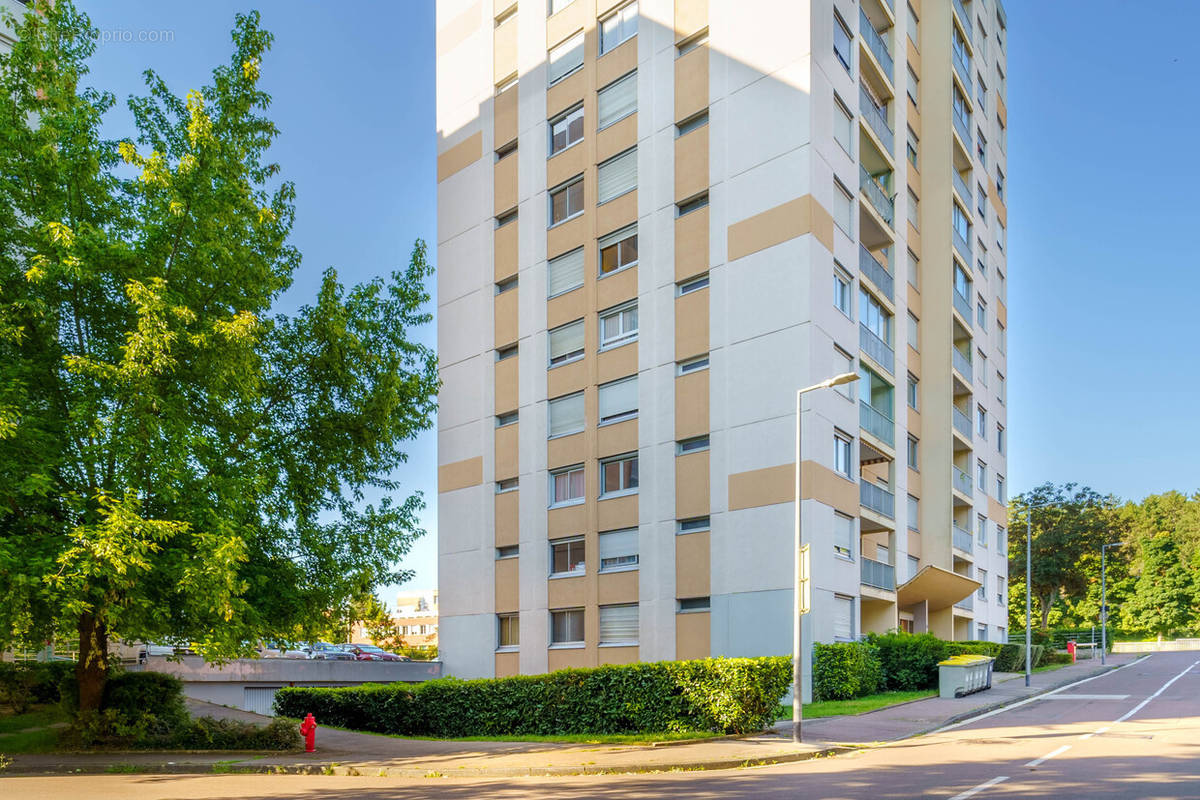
point(416, 618)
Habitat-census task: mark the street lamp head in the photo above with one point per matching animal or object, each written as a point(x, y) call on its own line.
point(845, 377)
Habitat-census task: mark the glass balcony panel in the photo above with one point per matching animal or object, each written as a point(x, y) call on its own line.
point(876, 45)
point(963, 17)
point(877, 498)
point(963, 306)
point(877, 423)
point(876, 348)
point(876, 118)
point(962, 124)
point(877, 574)
point(963, 540)
point(964, 190)
point(962, 423)
point(963, 482)
point(877, 273)
point(875, 193)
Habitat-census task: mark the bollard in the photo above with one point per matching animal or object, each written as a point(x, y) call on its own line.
point(1071, 650)
point(308, 729)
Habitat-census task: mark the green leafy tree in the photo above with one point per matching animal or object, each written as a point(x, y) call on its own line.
point(1165, 595)
point(1069, 525)
point(177, 460)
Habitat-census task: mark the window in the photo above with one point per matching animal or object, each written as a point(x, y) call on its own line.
point(693, 285)
point(691, 123)
point(914, 270)
point(566, 58)
point(913, 26)
point(981, 203)
point(618, 401)
point(843, 535)
point(507, 418)
point(841, 453)
point(564, 273)
point(616, 101)
point(566, 201)
point(914, 210)
point(692, 204)
point(566, 486)
point(962, 225)
point(565, 415)
point(1000, 590)
point(981, 632)
point(617, 176)
point(619, 625)
point(982, 476)
point(914, 566)
point(508, 631)
point(619, 550)
point(618, 250)
point(914, 87)
point(913, 393)
point(566, 627)
point(506, 150)
point(981, 262)
point(962, 284)
point(911, 149)
point(914, 332)
point(999, 183)
point(1000, 495)
point(507, 352)
point(1001, 339)
point(689, 44)
point(508, 551)
point(843, 363)
point(566, 343)
point(843, 125)
point(843, 617)
point(981, 94)
point(841, 40)
point(618, 475)
point(981, 370)
point(618, 27)
point(506, 84)
point(506, 217)
point(693, 365)
point(558, 5)
point(1001, 540)
point(843, 208)
point(914, 513)
point(981, 418)
point(881, 554)
point(981, 146)
point(507, 285)
point(693, 524)
point(981, 530)
point(913, 449)
point(696, 444)
point(566, 557)
point(1000, 388)
point(874, 316)
point(692, 604)
point(507, 485)
point(958, 105)
point(841, 291)
point(982, 594)
point(618, 325)
point(565, 130)
point(1000, 438)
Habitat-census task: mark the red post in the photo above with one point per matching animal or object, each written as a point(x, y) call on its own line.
point(1071, 650)
point(308, 729)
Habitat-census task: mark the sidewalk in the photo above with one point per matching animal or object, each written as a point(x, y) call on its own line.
point(343, 752)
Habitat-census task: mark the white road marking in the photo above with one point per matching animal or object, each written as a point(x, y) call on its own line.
point(1037, 761)
point(979, 788)
point(1087, 697)
point(1096, 732)
point(1162, 689)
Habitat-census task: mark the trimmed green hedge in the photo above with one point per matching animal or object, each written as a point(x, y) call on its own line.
point(725, 695)
point(1012, 657)
point(909, 660)
point(845, 670)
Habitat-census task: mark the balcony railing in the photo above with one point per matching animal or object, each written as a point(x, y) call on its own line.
point(962, 481)
point(877, 498)
point(878, 574)
point(962, 423)
point(963, 306)
point(879, 199)
point(876, 45)
point(962, 124)
point(962, 246)
point(967, 603)
point(877, 423)
point(963, 540)
point(876, 117)
point(876, 272)
point(964, 190)
point(962, 65)
point(876, 348)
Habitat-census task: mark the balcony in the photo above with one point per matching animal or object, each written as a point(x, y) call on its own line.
point(963, 306)
point(964, 191)
point(876, 118)
point(963, 17)
point(968, 602)
point(876, 45)
point(963, 539)
point(962, 481)
point(962, 363)
point(962, 246)
point(876, 498)
point(962, 124)
point(878, 575)
point(869, 266)
point(877, 423)
point(875, 193)
point(962, 65)
point(962, 423)
point(879, 350)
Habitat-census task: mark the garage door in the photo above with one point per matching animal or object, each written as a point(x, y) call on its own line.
point(259, 700)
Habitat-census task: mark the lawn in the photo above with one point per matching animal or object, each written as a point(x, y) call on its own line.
point(859, 705)
point(30, 732)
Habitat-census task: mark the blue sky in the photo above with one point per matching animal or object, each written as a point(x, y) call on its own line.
point(1101, 275)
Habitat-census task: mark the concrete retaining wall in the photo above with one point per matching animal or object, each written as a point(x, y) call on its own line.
point(1174, 645)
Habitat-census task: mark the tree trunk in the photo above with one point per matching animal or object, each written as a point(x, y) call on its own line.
point(92, 669)
point(1046, 602)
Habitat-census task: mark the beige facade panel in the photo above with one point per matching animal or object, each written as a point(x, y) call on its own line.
point(693, 571)
point(617, 587)
point(762, 487)
point(997, 512)
point(691, 324)
point(914, 297)
point(566, 93)
point(504, 117)
point(504, 53)
point(505, 319)
point(616, 63)
point(1001, 110)
point(914, 238)
point(567, 236)
point(570, 657)
point(780, 224)
point(505, 246)
point(507, 449)
point(691, 405)
point(691, 244)
point(691, 83)
point(569, 377)
point(914, 543)
point(913, 55)
point(460, 474)
point(460, 156)
point(566, 23)
point(507, 377)
point(690, 17)
point(914, 361)
point(570, 520)
point(914, 423)
point(1001, 312)
point(563, 451)
point(566, 308)
point(617, 138)
point(508, 516)
point(613, 440)
point(692, 490)
point(914, 482)
point(508, 664)
point(458, 29)
point(617, 655)
point(567, 592)
point(617, 288)
point(997, 203)
point(507, 585)
point(691, 163)
point(693, 635)
point(617, 512)
point(617, 363)
point(617, 213)
point(564, 165)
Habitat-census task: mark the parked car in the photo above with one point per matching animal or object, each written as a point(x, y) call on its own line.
point(280, 650)
point(324, 651)
point(369, 652)
point(147, 649)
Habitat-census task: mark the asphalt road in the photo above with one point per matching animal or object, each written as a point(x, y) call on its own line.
point(1131, 733)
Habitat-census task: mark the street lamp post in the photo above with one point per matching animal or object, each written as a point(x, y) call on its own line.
point(1104, 600)
point(797, 656)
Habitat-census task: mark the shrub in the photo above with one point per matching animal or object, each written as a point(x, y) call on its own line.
point(845, 670)
point(207, 733)
point(974, 648)
point(909, 660)
point(1011, 658)
point(728, 695)
point(30, 683)
point(1038, 651)
point(1056, 657)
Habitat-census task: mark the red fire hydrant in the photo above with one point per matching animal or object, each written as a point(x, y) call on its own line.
point(308, 729)
point(1071, 650)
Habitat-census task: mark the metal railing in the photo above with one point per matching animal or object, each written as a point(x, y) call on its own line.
point(876, 117)
point(963, 189)
point(967, 603)
point(962, 481)
point(877, 423)
point(877, 273)
point(962, 246)
point(876, 45)
point(962, 423)
point(962, 65)
point(875, 193)
point(878, 574)
point(963, 540)
point(962, 363)
point(877, 498)
point(962, 124)
point(964, 18)
point(876, 348)
point(963, 305)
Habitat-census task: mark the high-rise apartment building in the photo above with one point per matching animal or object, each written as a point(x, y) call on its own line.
point(656, 221)
point(18, 9)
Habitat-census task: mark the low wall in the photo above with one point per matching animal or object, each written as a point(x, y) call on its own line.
point(1173, 645)
point(250, 683)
